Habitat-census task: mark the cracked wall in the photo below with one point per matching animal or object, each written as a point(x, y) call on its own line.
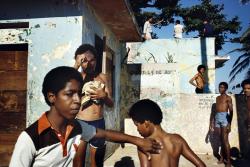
point(52, 37)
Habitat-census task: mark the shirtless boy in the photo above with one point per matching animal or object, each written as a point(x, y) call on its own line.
point(199, 79)
point(222, 120)
point(92, 112)
point(147, 116)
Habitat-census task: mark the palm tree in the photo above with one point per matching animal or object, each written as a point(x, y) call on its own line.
point(244, 1)
point(243, 61)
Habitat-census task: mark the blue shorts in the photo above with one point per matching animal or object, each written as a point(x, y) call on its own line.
point(100, 142)
point(221, 119)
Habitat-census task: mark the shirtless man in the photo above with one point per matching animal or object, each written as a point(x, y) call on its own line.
point(147, 117)
point(92, 111)
point(221, 121)
point(199, 79)
point(246, 89)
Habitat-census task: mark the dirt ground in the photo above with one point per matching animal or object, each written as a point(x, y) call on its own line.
point(127, 157)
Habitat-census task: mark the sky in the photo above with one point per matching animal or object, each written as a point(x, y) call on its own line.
point(231, 8)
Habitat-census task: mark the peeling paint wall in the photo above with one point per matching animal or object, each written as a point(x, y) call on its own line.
point(56, 29)
point(189, 117)
point(160, 70)
point(185, 54)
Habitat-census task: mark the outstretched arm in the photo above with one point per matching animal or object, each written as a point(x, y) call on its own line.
point(190, 155)
point(146, 145)
point(158, 22)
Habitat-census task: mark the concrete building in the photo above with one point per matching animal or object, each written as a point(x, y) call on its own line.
point(160, 70)
point(36, 36)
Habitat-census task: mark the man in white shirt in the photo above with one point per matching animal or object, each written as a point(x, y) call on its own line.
point(147, 29)
point(178, 29)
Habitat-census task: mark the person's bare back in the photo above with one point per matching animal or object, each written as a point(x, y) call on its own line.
point(173, 147)
point(147, 117)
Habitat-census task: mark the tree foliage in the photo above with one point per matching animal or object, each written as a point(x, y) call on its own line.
point(166, 9)
point(244, 1)
point(193, 19)
point(192, 16)
point(243, 61)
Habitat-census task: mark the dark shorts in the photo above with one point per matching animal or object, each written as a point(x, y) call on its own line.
point(198, 90)
point(100, 142)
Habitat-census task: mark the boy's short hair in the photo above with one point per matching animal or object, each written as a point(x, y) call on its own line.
point(200, 67)
point(245, 82)
point(84, 48)
point(177, 22)
point(224, 84)
point(56, 79)
point(144, 110)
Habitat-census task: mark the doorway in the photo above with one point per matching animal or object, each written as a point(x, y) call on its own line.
point(13, 90)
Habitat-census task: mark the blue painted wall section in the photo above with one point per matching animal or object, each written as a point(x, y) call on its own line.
point(184, 54)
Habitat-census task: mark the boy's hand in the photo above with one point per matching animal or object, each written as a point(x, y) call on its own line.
point(211, 127)
point(150, 146)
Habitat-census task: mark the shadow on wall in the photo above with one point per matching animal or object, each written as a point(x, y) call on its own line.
point(130, 89)
point(204, 62)
point(125, 162)
point(214, 137)
point(244, 135)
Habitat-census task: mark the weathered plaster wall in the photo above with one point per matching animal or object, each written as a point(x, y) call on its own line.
point(160, 70)
point(185, 54)
point(50, 45)
point(56, 29)
point(189, 117)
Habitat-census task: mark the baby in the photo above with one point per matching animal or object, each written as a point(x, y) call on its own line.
point(87, 89)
